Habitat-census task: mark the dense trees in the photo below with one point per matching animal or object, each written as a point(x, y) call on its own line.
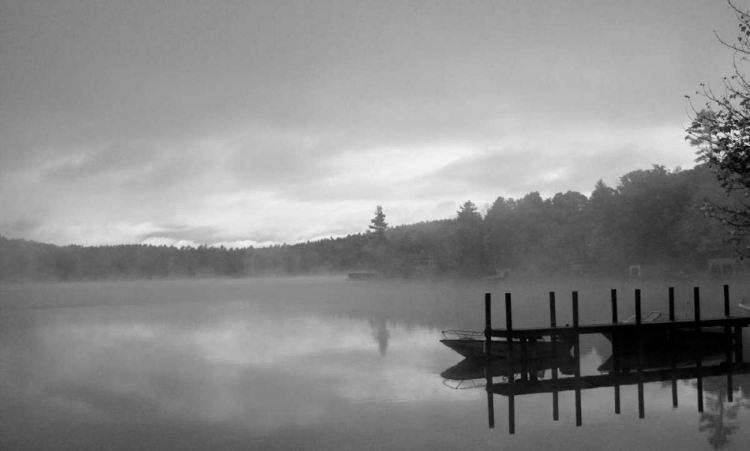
point(722, 133)
point(652, 218)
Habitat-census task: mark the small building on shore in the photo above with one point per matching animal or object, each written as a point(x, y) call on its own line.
point(722, 268)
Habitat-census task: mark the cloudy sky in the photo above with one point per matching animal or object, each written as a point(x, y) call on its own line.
point(252, 122)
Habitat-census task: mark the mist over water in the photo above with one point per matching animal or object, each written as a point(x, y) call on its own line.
point(311, 363)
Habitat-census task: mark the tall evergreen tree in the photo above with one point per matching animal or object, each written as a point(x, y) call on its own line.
point(378, 225)
point(470, 257)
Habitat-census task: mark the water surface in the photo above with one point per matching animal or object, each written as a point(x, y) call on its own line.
point(314, 363)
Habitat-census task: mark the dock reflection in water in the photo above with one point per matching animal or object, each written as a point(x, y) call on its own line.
point(655, 345)
point(717, 370)
point(722, 386)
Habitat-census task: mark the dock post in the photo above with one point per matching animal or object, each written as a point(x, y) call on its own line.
point(614, 305)
point(738, 352)
point(509, 337)
point(639, 334)
point(488, 358)
point(552, 310)
point(671, 304)
point(728, 346)
point(615, 353)
point(524, 359)
point(509, 325)
point(553, 338)
point(726, 301)
point(672, 360)
point(488, 325)
point(698, 361)
point(697, 306)
point(577, 357)
point(637, 307)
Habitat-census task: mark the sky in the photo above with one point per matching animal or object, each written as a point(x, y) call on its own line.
point(240, 123)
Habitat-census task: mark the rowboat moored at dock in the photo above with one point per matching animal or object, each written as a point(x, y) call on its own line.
point(471, 344)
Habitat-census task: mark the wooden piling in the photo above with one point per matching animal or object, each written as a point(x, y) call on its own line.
point(613, 295)
point(577, 357)
point(671, 303)
point(738, 352)
point(615, 352)
point(511, 397)
point(524, 359)
point(638, 321)
point(509, 324)
point(727, 344)
point(726, 301)
point(488, 359)
point(698, 361)
point(553, 338)
point(697, 306)
point(672, 358)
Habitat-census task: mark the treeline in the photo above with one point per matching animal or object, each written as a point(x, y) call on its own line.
point(652, 218)
point(28, 260)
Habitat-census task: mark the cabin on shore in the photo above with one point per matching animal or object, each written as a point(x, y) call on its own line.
point(722, 268)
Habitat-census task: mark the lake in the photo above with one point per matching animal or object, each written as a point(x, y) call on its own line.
point(318, 363)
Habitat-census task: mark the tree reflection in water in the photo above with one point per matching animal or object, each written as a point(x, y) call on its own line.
point(381, 334)
point(719, 418)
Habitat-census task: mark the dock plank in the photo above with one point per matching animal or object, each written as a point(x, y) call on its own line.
point(539, 332)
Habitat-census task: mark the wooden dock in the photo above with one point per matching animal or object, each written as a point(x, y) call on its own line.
point(732, 325)
point(615, 328)
point(622, 335)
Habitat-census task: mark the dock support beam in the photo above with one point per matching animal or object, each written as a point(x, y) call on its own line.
point(672, 359)
point(553, 338)
point(727, 344)
point(638, 320)
point(577, 357)
point(615, 353)
point(488, 358)
point(698, 362)
point(511, 361)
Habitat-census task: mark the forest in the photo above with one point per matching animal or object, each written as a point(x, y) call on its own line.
point(654, 218)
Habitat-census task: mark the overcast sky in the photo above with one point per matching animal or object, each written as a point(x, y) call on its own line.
point(252, 122)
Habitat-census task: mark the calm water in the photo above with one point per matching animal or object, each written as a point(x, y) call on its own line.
point(297, 364)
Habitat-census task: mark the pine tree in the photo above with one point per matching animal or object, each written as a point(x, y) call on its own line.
point(378, 225)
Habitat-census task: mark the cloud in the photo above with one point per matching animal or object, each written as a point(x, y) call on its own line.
point(182, 233)
point(278, 123)
point(559, 163)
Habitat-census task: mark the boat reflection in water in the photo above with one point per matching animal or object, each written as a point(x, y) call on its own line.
point(472, 372)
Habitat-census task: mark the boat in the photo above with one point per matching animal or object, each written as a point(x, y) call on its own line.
point(745, 308)
point(471, 344)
